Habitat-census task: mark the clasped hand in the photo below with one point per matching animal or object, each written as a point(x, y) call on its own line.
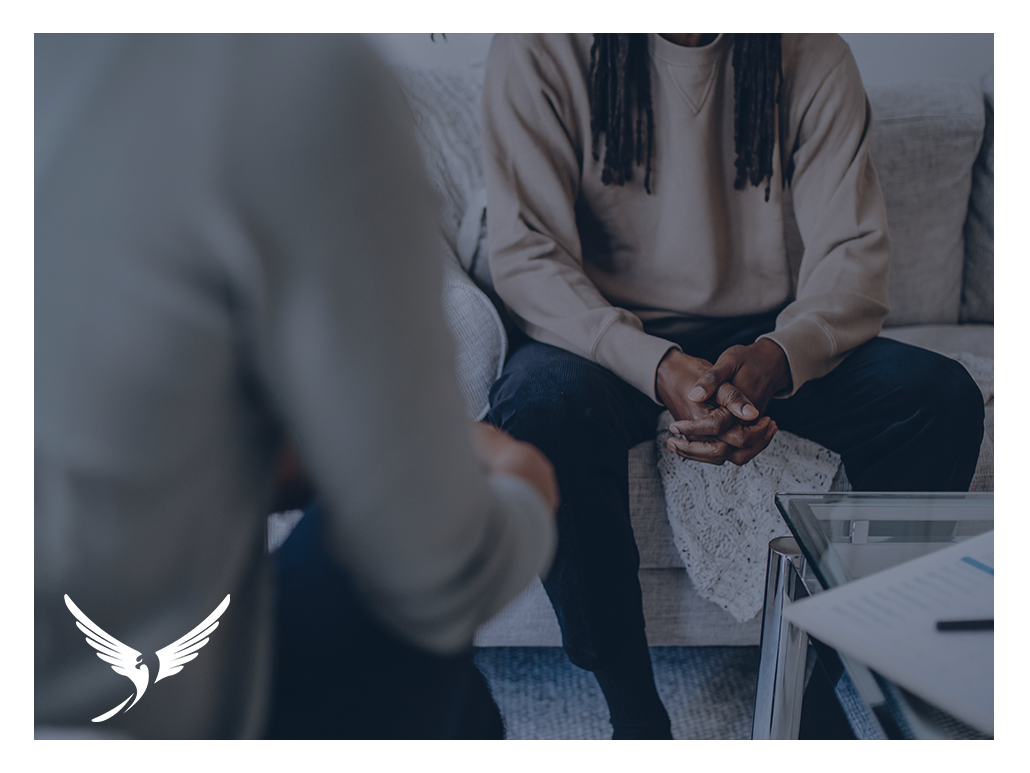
point(718, 409)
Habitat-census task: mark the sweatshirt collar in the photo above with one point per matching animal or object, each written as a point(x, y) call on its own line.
point(691, 56)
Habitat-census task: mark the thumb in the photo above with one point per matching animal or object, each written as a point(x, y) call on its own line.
point(736, 402)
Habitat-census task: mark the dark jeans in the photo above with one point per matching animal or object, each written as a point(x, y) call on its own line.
point(901, 418)
point(339, 673)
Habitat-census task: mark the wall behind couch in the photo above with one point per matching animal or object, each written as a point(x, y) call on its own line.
point(883, 58)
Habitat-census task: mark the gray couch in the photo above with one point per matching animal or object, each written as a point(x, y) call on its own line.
point(933, 148)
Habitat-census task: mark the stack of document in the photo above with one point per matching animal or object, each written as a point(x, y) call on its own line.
point(888, 621)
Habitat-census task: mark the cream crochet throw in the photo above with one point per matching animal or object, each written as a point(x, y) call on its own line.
point(722, 518)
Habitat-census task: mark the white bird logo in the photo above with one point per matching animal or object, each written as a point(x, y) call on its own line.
point(127, 662)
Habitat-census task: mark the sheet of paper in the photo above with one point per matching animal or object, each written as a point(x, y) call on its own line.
point(889, 620)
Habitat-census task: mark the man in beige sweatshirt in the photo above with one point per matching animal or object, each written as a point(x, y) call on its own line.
point(636, 189)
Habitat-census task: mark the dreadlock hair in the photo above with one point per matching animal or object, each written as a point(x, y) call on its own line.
point(620, 87)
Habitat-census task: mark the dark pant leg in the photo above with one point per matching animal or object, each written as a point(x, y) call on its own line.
point(340, 674)
point(901, 417)
point(584, 419)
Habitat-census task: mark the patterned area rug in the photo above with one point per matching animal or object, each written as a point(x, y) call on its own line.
point(709, 692)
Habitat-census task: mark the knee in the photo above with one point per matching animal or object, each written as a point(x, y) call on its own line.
point(941, 392)
point(966, 400)
point(532, 401)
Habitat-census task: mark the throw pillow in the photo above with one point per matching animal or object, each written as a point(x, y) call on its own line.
point(446, 102)
point(925, 140)
point(479, 337)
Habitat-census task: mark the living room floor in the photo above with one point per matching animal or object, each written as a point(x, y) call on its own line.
point(709, 692)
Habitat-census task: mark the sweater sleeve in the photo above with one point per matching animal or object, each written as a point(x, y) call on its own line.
point(532, 157)
point(842, 291)
point(351, 335)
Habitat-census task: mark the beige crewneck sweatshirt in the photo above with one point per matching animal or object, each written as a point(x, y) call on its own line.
point(598, 270)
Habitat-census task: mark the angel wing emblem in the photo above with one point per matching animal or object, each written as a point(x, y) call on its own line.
point(127, 662)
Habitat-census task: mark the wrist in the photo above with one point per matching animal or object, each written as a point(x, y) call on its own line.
point(674, 372)
point(776, 361)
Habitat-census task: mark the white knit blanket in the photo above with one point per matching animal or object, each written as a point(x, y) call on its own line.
point(722, 518)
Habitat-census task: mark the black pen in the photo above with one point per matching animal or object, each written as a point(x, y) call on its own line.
point(965, 625)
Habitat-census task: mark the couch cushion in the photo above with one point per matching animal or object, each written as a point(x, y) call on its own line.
point(651, 527)
point(978, 281)
point(978, 340)
point(926, 138)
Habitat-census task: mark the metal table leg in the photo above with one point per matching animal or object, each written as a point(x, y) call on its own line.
point(781, 668)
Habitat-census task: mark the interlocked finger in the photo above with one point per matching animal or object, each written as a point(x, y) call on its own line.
point(733, 399)
point(715, 451)
point(712, 424)
point(746, 435)
point(708, 451)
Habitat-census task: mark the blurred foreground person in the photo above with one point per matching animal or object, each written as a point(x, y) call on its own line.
point(233, 247)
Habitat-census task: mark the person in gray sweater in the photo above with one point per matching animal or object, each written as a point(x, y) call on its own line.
point(233, 251)
point(637, 191)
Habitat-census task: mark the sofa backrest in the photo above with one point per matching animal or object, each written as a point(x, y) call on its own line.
point(927, 139)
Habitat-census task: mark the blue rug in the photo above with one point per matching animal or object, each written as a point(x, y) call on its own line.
point(709, 692)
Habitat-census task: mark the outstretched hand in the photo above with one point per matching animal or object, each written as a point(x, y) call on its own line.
point(501, 454)
point(718, 408)
point(292, 489)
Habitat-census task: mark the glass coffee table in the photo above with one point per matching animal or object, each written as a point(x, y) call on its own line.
point(839, 537)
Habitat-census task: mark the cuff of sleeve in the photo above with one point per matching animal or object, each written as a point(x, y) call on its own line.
point(632, 354)
point(520, 544)
point(810, 349)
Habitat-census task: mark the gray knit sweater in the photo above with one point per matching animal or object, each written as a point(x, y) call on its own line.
point(233, 244)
